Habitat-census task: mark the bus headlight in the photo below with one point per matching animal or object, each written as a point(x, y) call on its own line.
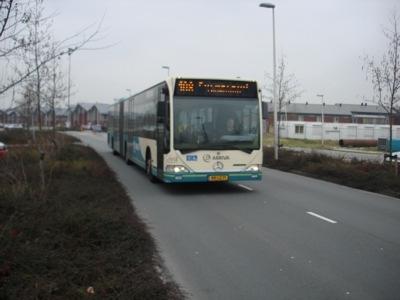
point(254, 168)
point(176, 169)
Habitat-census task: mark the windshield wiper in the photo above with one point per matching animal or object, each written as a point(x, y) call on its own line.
point(204, 131)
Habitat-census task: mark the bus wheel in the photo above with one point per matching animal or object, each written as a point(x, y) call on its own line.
point(149, 174)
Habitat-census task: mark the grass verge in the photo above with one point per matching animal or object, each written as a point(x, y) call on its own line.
point(78, 239)
point(357, 174)
point(268, 141)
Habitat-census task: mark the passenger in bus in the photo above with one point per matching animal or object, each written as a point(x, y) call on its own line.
point(232, 126)
point(184, 135)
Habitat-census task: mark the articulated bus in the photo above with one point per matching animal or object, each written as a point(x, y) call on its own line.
point(191, 130)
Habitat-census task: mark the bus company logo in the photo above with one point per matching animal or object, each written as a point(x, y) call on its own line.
point(191, 157)
point(220, 157)
point(206, 157)
point(218, 166)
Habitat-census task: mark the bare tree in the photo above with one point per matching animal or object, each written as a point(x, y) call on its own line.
point(287, 86)
point(31, 24)
point(13, 17)
point(385, 74)
point(6, 7)
point(38, 51)
point(26, 104)
point(55, 92)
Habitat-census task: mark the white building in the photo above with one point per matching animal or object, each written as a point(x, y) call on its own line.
point(336, 131)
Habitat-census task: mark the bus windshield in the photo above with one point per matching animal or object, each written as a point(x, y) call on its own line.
point(216, 123)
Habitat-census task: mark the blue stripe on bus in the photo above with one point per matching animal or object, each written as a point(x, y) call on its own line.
point(136, 152)
point(203, 177)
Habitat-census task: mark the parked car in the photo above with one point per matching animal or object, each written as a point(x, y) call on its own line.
point(3, 150)
point(96, 128)
point(13, 126)
point(86, 126)
point(387, 156)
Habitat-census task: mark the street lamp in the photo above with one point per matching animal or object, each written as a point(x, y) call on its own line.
point(69, 52)
point(165, 67)
point(322, 117)
point(270, 5)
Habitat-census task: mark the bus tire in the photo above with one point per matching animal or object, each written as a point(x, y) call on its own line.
point(149, 173)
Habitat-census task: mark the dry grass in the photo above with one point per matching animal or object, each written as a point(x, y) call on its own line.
point(358, 174)
point(83, 240)
point(310, 144)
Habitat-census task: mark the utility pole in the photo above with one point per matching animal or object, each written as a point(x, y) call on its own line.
point(167, 68)
point(322, 118)
point(70, 51)
point(276, 129)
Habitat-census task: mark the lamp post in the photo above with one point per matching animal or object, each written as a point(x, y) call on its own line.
point(165, 67)
point(70, 51)
point(272, 6)
point(322, 117)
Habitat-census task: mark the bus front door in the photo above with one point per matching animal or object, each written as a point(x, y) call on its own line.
point(160, 149)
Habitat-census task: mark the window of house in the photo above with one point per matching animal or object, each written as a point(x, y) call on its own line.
point(299, 129)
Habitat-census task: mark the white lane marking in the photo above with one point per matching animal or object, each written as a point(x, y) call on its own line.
point(321, 217)
point(245, 187)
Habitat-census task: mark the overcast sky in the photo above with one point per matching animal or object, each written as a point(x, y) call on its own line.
point(323, 42)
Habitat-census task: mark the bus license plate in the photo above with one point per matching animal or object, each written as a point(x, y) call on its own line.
point(218, 178)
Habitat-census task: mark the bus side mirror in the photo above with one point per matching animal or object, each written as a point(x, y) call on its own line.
point(264, 108)
point(165, 91)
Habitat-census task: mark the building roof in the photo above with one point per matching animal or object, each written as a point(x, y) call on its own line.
point(11, 112)
point(85, 105)
point(102, 107)
point(332, 109)
point(61, 111)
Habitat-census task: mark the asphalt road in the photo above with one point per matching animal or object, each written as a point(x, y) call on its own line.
point(287, 237)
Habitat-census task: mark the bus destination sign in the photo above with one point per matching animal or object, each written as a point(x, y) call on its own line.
point(215, 88)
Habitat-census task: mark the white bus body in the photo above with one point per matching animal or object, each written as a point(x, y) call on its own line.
point(191, 130)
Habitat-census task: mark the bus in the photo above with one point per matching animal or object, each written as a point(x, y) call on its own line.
point(191, 130)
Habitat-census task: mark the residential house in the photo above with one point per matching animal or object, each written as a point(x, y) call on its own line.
point(61, 117)
point(2, 116)
point(79, 114)
point(89, 113)
point(13, 116)
point(98, 114)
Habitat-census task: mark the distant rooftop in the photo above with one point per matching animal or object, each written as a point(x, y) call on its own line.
point(101, 107)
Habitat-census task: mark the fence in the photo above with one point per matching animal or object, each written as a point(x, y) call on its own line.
point(336, 131)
